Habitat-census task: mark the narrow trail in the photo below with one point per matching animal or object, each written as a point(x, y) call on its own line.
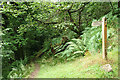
point(87, 67)
point(35, 72)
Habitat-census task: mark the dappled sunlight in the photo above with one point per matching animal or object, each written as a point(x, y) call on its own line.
point(59, 39)
point(80, 67)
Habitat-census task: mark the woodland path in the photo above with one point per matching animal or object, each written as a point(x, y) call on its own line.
point(87, 67)
point(36, 70)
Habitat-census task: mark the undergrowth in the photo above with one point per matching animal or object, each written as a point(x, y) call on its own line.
point(91, 40)
point(81, 67)
point(75, 65)
point(20, 70)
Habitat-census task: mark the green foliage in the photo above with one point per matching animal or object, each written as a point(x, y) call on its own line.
point(75, 48)
point(87, 67)
point(31, 28)
point(19, 70)
point(92, 37)
point(91, 40)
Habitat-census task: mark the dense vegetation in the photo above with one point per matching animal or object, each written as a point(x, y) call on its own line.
point(32, 30)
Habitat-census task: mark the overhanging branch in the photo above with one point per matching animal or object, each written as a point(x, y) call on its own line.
point(59, 12)
point(48, 22)
point(80, 8)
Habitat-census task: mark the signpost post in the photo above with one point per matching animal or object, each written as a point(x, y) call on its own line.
point(104, 35)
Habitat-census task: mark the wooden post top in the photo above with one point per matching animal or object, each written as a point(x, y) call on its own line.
point(99, 23)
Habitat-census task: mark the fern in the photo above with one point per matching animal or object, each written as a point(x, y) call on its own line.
point(92, 37)
point(75, 48)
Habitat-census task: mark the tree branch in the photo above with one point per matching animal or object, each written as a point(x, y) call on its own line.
point(79, 13)
point(80, 8)
point(48, 22)
point(71, 19)
point(111, 5)
point(59, 12)
point(56, 14)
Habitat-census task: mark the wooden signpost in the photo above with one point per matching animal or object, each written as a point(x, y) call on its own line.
point(104, 35)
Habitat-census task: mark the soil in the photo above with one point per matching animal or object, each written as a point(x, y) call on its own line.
point(35, 72)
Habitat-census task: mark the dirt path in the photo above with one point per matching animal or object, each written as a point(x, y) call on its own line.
point(35, 72)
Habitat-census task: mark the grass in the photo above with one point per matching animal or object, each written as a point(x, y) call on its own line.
point(82, 67)
point(29, 69)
